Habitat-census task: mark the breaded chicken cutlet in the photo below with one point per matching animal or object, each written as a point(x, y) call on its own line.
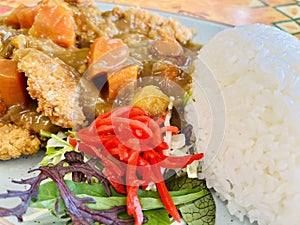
point(54, 84)
point(16, 141)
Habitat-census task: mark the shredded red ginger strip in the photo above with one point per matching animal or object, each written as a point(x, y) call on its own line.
point(130, 145)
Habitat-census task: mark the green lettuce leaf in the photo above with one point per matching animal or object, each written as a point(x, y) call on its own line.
point(150, 200)
point(201, 211)
point(191, 196)
point(157, 217)
point(56, 148)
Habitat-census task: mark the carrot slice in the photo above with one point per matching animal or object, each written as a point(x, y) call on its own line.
point(27, 15)
point(102, 45)
point(12, 19)
point(12, 84)
point(54, 22)
point(120, 78)
point(23, 16)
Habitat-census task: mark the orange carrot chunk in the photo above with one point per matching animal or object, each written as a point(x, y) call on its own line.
point(23, 16)
point(12, 84)
point(56, 23)
point(100, 50)
point(102, 45)
point(120, 78)
point(27, 15)
point(12, 19)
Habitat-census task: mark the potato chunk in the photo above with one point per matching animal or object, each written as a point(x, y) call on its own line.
point(151, 99)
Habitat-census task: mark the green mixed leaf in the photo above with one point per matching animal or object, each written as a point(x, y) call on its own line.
point(190, 195)
point(56, 148)
point(201, 211)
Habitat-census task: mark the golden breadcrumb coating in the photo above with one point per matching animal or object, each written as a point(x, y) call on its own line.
point(156, 24)
point(16, 141)
point(55, 86)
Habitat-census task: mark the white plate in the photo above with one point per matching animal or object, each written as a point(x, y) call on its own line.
point(17, 169)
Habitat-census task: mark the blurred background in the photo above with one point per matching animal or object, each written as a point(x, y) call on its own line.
point(284, 14)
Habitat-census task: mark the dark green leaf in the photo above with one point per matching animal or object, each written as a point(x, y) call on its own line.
point(198, 212)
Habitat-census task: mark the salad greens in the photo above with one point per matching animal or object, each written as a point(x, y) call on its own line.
point(201, 211)
point(73, 183)
point(57, 145)
point(76, 207)
point(150, 200)
point(191, 196)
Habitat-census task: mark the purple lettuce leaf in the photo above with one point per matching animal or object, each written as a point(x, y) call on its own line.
point(25, 196)
point(77, 209)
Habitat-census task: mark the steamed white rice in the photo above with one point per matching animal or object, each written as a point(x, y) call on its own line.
point(257, 170)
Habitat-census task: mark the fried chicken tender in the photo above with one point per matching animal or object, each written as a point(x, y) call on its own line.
point(55, 86)
point(91, 23)
point(16, 141)
point(155, 25)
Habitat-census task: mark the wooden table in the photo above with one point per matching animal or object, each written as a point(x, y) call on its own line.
point(284, 14)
